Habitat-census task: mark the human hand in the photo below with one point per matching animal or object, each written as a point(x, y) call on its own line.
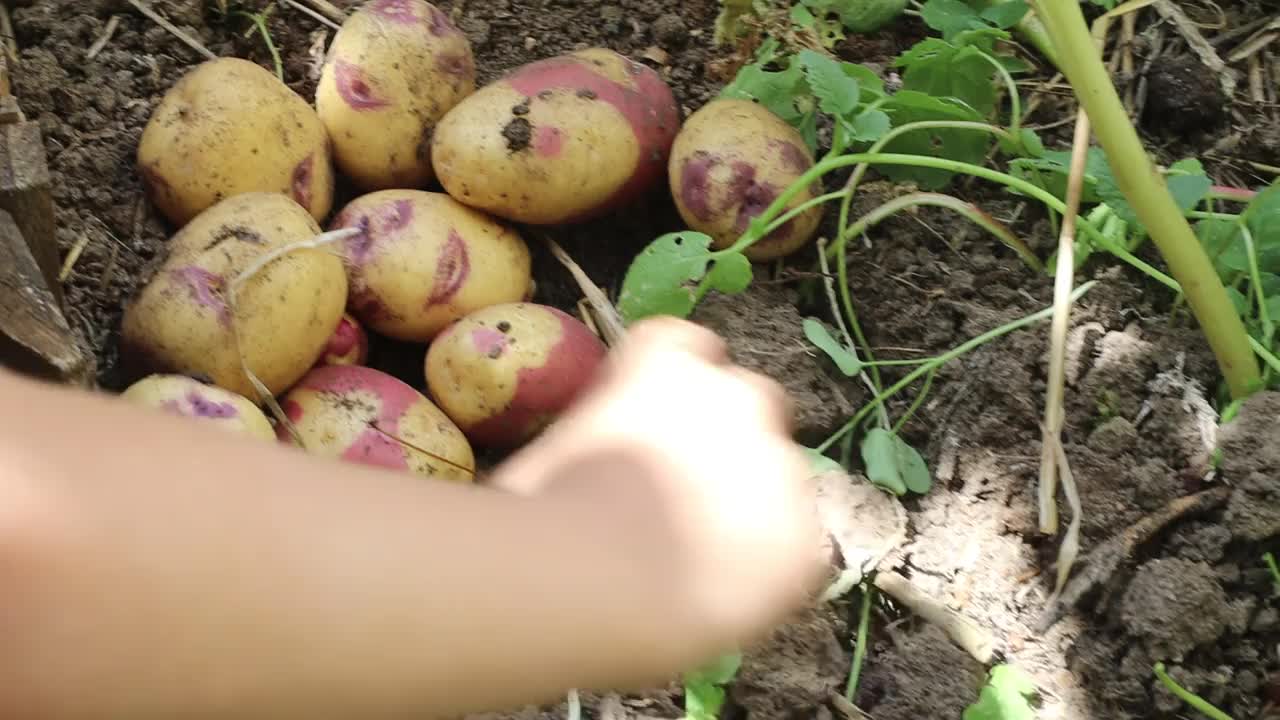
point(689, 463)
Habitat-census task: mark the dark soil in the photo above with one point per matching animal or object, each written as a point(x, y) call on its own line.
point(1139, 432)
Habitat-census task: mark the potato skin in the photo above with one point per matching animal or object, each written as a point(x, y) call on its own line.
point(394, 69)
point(181, 323)
point(228, 127)
point(425, 260)
point(731, 161)
point(560, 140)
point(506, 372)
point(187, 397)
point(348, 345)
point(366, 416)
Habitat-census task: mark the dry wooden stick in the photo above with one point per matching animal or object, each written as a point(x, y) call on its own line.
point(311, 14)
point(607, 318)
point(1201, 47)
point(172, 29)
point(328, 9)
point(6, 29)
point(963, 632)
point(107, 33)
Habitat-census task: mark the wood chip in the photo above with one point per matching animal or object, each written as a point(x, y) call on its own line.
point(101, 43)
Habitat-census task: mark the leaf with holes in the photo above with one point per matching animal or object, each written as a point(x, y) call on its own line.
point(817, 333)
point(730, 273)
point(663, 279)
point(836, 91)
point(909, 106)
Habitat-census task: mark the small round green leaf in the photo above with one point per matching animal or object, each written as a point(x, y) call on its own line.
point(731, 273)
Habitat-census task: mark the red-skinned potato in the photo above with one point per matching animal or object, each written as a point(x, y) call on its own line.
point(229, 127)
point(366, 416)
point(393, 70)
point(731, 161)
point(349, 344)
point(506, 372)
point(181, 321)
point(560, 140)
point(190, 398)
point(424, 260)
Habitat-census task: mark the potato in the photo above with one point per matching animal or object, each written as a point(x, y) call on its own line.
point(369, 417)
point(560, 140)
point(394, 69)
point(230, 127)
point(424, 260)
point(181, 321)
point(730, 162)
point(349, 344)
point(188, 397)
point(506, 372)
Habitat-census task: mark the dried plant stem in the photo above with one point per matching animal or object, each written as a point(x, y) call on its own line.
point(328, 9)
point(172, 29)
point(1070, 548)
point(1065, 278)
point(965, 633)
point(314, 15)
point(606, 315)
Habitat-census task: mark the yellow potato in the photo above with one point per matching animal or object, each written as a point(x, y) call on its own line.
point(229, 127)
point(187, 397)
point(559, 140)
point(423, 260)
point(506, 372)
point(395, 69)
point(181, 321)
point(365, 416)
point(730, 162)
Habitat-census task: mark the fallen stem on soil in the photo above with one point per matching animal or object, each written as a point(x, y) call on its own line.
point(966, 634)
point(946, 357)
point(1070, 547)
point(1149, 196)
point(830, 285)
point(1200, 704)
point(860, 643)
point(1064, 278)
point(172, 29)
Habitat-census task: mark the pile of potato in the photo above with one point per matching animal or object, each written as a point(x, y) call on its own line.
point(245, 170)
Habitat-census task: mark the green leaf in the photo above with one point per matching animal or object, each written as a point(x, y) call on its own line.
point(1224, 245)
point(870, 83)
point(819, 463)
point(1263, 218)
point(915, 472)
point(909, 106)
point(703, 695)
point(949, 17)
point(800, 15)
point(1240, 302)
point(1006, 14)
point(817, 333)
point(663, 279)
point(869, 126)
point(1273, 308)
point(731, 273)
point(865, 16)
point(941, 69)
point(1027, 143)
point(1188, 183)
point(836, 91)
point(880, 457)
point(1005, 697)
point(775, 90)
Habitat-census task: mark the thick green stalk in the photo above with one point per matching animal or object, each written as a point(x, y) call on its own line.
point(1147, 194)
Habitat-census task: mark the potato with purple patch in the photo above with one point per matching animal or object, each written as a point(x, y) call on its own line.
point(560, 140)
point(394, 69)
point(182, 320)
point(366, 416)
point(729, 164)
point(349, 344)
point(190, 398)
point(230, 127)
point(506, 372)
point(424, 260)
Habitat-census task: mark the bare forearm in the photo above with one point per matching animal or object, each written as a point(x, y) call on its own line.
point(165, 571)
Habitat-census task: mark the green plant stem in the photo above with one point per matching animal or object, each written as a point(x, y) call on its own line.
point(260, 23)
point(915, 404)
point(1270, 560)
point(1255, 278)
point(945, 358)
point(1200, 704)
point(1015, 100)
point(860, 643)
point(1267, 356)
point(965, 209)
point(1148, 195)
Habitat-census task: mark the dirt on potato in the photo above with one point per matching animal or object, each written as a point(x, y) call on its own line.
point(1139, 424)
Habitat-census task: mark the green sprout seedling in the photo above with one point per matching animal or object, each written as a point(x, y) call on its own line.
point(1006, 696)
point(704, 694)
point(1201, 705)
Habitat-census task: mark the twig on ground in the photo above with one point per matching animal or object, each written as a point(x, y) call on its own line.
point(172, 29)
point(1201, 47)
point(1256, 42)
point(73, 255)
point(607, 318)
point(6, 31)
point(311, 14)
point(1070, 548)
point(829, 282)
point(1102, 563)
point(963, 632)
point(575, 706)
point(328, 9)
point(1065, 278)
point(1257, 89)
point(107, 33)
